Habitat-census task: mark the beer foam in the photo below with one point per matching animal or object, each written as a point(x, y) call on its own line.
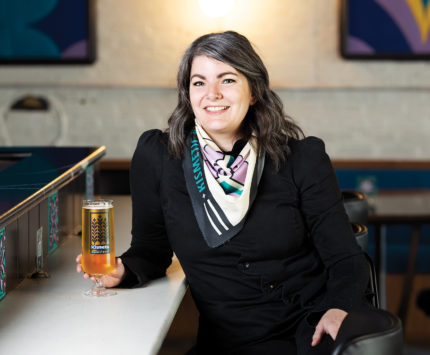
point(97, 207)
point(98, 204)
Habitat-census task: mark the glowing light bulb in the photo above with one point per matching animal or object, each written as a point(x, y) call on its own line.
point(216, 8)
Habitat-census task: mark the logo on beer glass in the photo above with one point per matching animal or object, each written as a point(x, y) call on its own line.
point(99, 241)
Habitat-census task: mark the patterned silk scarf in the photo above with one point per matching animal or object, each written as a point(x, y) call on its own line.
point(222, 188)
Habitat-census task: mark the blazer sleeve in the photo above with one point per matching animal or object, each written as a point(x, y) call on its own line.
point(329, 227)
point(150, 253)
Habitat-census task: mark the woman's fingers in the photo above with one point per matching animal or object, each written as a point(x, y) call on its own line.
point(79, 268)
point(119, 268)
point(78, 263)
point(329, 323)
point(319, 331)
point(116, 276)
point(78, 258)
point(111, 280)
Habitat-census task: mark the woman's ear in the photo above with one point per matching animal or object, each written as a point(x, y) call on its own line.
point(252, 101)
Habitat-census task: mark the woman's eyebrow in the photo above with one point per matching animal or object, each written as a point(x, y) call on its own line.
point(197, 76)
point(226, 73)
point(218, 76)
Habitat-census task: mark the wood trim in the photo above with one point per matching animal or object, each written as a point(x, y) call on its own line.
point(404, 192)
point(124, 164)
point(382, 164)
point(115, 164)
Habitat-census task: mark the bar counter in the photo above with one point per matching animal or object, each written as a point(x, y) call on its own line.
point(52, 316)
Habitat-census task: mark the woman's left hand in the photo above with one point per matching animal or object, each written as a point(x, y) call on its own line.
point(329, 324)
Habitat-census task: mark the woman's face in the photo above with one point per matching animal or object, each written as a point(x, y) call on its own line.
point(220, 97)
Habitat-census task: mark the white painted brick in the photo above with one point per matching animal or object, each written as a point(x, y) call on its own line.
point(361, 124)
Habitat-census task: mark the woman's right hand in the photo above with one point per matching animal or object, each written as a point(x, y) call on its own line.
point(110, 280)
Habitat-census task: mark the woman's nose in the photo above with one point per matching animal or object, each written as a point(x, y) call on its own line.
point(214, 92)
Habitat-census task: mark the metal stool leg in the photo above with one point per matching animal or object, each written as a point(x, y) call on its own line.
point(409, 277)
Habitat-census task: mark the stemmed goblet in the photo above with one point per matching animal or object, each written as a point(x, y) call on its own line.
point(98, 243)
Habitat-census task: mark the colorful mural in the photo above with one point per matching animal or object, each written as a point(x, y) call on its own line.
point(44, 29)
point(397, 28)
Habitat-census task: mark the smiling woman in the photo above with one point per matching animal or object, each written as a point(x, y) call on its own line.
point(252, 211)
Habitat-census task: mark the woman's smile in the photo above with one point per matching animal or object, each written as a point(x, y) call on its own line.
point(216, 109)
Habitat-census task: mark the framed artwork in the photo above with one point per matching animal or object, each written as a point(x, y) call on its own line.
point(47, 31)
point(385, 29)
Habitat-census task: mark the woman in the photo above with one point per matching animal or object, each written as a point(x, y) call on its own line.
point(252, 211)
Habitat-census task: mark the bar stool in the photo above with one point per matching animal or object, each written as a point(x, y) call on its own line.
point(356, 206)
point(357, 209)
point(369, 331)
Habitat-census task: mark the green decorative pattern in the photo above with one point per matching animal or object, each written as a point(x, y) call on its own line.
point(89, 182)
point(2, 263)
point(53, 237)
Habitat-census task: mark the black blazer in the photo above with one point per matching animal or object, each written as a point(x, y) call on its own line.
point(296, 255)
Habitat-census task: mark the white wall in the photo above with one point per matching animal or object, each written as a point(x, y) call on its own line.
point(361, 109)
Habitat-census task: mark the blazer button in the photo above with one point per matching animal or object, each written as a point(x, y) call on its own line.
point(244, 266)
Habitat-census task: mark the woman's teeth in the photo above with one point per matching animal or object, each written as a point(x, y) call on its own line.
point(216, 108)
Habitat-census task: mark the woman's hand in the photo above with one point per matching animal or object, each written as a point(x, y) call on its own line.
point(110, 280)
point(329, 324)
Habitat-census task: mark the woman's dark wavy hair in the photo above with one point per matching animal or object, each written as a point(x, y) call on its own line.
point(265, 119)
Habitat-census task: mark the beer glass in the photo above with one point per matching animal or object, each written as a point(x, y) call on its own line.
point(98, 244)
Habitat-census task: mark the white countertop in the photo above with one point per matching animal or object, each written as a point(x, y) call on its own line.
point(51, 316)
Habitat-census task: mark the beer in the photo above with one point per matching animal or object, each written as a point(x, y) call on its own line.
point(98, 244)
